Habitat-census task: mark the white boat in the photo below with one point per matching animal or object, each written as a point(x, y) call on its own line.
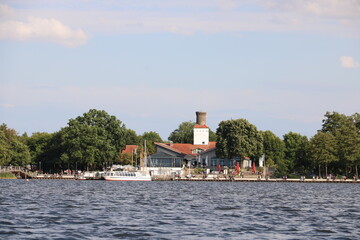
point(123, 175)
point(127, 176)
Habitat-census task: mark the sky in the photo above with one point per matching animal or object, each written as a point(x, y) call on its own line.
point(153, 63)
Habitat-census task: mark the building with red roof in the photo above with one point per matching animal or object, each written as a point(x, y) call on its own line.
point(130, 149)
point(172, 157)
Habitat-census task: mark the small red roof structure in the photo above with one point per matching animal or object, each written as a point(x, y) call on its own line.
point(200, 126)
point(130, 149)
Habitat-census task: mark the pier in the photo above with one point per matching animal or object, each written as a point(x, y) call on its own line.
point(22, 173)
point(264, 180)
point(253, 178)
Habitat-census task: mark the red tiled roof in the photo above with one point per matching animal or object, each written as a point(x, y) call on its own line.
point(200, 126)
point(130, 149)
point(186, 148)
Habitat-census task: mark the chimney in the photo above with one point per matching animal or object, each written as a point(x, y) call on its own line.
point(201, 118)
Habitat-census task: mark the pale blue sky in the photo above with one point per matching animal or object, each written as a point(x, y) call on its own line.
point(153, 63)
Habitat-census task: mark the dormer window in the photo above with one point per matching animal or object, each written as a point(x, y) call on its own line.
point(197, 150)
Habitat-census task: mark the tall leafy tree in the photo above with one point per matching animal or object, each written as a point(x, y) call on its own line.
point(323, 150)
point(274, 147)
point(355, 118)
point(131, 138)
point(333, 121)
point(348, 142)
point(151, 137)
point(296, 150)
point(4, 149)
point(47, 153)
point(93, 140)
point(12, 150)
point(238, 138)
point(346, 130)
point(274, 150)
point(184, 133)
point(38, 144)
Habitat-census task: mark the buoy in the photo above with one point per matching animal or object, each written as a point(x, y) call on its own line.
point(27, 180)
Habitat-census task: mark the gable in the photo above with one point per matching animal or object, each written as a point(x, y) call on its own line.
point(166, 152)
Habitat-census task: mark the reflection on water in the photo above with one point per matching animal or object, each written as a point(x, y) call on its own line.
point(60, 209)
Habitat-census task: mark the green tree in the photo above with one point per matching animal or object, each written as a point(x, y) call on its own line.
point(238, 138)
point(348, 142)
point(345, 129)
point(212, 136)
point(39, 147)
point(185, 132)
point(93, 140)
point(323, 150)
point(274, 147)
point(333, 121)
point(4, 149)
point(274, 150)
point(125, 159)
point(12, 150)
point(151, 137)
point(131, 138)
point(296, 151)
point(355, 118)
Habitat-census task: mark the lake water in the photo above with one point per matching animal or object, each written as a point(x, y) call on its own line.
point(63, 209)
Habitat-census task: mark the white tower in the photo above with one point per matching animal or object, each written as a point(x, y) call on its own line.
point(201, 131)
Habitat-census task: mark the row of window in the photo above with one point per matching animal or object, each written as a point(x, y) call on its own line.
point(127, 174)
point(165, 162)
point(201, 130)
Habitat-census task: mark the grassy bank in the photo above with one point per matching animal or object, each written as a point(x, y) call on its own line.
point(6, 175)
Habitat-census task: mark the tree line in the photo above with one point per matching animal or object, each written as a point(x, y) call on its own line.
point(95, 139)
point(335, 148)
point(92, 141)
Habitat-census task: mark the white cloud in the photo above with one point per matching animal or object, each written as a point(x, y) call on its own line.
point(39, 29)
point(329, 8)
point(335, 17)
point(5, 11)
point(348, 62)
point(7, 105)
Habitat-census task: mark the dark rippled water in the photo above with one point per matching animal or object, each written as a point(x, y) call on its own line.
point(60, 209)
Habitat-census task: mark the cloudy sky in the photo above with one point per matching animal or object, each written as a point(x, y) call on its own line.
point(153, 63)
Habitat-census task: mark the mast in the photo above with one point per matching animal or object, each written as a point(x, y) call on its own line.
point(145, 156)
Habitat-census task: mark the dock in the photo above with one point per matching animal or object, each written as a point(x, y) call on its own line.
point(22, 173)
point(272, 180)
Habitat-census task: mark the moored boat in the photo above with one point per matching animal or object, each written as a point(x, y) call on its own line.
point(127, 176)
point(80, 178)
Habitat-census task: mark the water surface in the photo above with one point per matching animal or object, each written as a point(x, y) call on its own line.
point(64, 209)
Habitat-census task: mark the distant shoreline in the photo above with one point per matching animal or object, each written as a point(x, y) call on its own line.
point(274, 180)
